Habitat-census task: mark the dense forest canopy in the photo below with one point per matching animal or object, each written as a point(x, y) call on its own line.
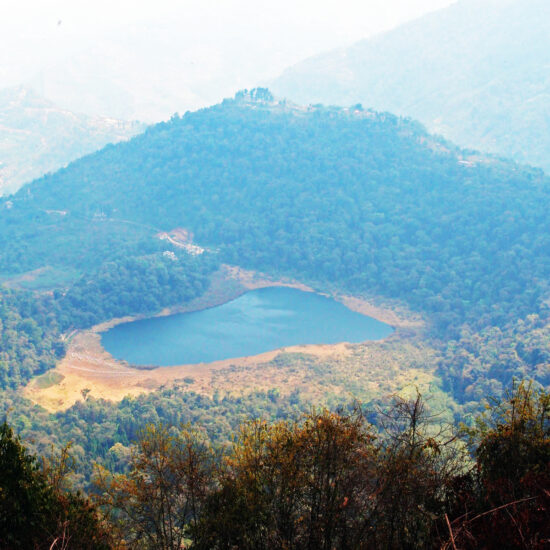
point(367, 200)
point(33, 326)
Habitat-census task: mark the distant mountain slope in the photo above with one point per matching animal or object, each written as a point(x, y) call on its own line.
point(37, 137)
point(477, 72)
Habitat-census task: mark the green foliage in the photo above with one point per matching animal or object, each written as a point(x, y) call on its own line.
point(29, 337)
point(482, 363)
point(319, 479)
point(360, 202)
point(135, 285)
point(371, 203)
point(35, 514)
point(101, 430)
point(31, 324)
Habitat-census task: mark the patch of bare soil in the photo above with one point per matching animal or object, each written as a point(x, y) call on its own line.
point(88, 369)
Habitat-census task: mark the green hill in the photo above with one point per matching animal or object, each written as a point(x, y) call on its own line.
point(359, 201)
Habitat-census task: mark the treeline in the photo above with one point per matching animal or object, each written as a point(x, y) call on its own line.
point(362, 202)
point(326, 480)
point(103, 432)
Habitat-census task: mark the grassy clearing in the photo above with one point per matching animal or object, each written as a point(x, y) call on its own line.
point(51, 378)
point(42, 279)
point(332, 374)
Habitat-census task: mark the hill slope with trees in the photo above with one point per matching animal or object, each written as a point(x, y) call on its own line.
point(363, 202)
point(37, 136)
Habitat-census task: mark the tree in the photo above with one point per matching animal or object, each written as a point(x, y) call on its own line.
point(157, 503)
point(294, 485)
point(418, 461)
point(509, 506)
point(35, 514)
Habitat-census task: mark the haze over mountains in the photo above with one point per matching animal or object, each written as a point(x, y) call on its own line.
point(455, 70)
point(146, 61)
point(477, 72)
point(36, 136)
point(445, 246)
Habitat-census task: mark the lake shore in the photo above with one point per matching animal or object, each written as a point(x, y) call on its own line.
point(395, 317)
point(88, 369)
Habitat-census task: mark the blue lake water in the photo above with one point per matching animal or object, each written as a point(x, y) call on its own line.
point(256, 322)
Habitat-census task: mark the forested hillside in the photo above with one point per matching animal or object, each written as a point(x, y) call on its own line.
point(477, 72)
point(314, 316)
point(33, 326)
point(348, 199)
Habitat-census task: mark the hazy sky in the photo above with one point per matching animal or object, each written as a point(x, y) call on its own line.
point(227, 43)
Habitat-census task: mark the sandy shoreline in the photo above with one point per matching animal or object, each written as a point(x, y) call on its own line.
point(88, 368)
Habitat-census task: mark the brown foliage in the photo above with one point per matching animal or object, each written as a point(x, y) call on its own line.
point(160, 499)
point(331, 482)
point(509, 505)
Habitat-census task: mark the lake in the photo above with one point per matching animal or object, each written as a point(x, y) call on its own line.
point(258, 321)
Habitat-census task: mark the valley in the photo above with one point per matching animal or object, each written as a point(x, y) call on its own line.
point(363, 206)
point(37, 136)
point(367, 208)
